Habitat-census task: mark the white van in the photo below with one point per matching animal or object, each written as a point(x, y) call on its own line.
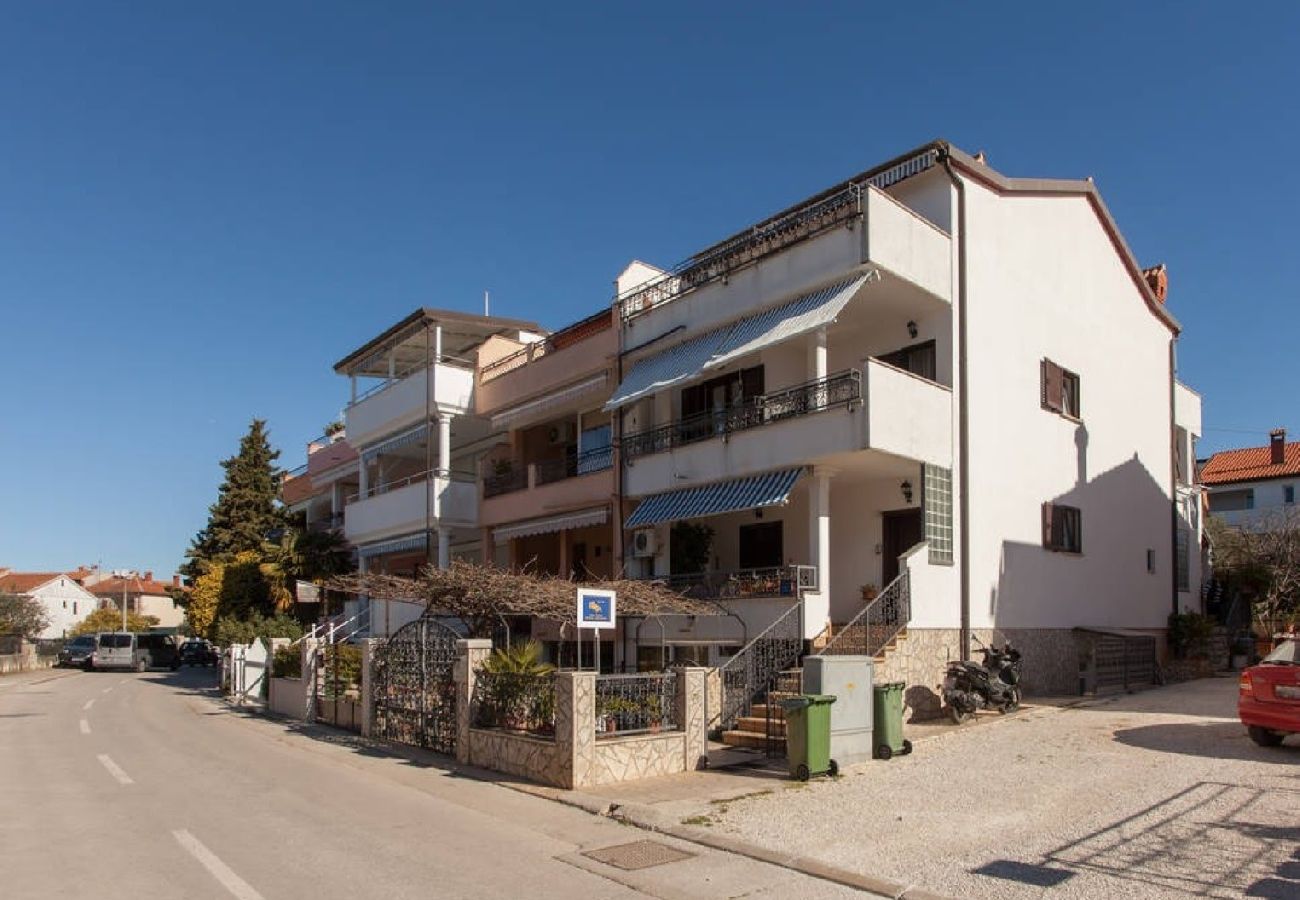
point(117, 650)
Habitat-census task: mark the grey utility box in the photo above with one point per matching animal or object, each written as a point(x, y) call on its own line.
point(849, 679)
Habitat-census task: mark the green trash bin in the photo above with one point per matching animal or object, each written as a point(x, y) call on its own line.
point(808, 735)
point(888, 720)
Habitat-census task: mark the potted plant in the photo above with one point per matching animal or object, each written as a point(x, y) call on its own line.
point(869, 592)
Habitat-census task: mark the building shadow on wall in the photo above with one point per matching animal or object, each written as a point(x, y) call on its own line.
point(1124, 514)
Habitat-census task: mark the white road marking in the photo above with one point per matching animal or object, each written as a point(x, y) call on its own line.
point(85, 727)
point(237, 886)
point(107, 689)
point(115, 770)
point(89, 704)
point(124, 681)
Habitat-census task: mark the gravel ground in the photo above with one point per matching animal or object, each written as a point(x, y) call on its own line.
point(1156, 794)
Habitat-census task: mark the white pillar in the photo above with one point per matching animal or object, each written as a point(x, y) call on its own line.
point(444, 445)
point(817, 355)
point(444, 547)
point(364, 474)
point(817, 604)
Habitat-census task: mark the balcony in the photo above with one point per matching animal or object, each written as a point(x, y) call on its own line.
point(742, 584)
point(402, 402)
point(859, 226)
point(878, 407)
point(400, 507)
point(517, 490)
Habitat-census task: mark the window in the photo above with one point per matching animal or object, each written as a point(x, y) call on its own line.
point(1183, 559)
point(1151, 561)
point(936, 512)
point(1288, 493)
point(1059, 390)
point(919, 359)
point(1232, 501)
point(1062, 528)
point(761, 545)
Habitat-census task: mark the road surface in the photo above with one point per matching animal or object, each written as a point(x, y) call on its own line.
point(118, 786)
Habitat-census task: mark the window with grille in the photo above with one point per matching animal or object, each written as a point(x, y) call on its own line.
point(1062, 528)
point(936, 512)
point(1059, 390)
point(1182, 547)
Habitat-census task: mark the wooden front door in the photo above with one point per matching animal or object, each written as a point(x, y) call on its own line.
point(901, 531)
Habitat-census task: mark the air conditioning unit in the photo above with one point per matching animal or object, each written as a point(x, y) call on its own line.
point(645, 542)
point(563, 433)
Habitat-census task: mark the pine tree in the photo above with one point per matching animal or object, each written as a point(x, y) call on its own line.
point(245, 515)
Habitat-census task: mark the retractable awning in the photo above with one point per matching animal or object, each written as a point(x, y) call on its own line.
point(551, 524)
point(397, 545)
point(768, 489)
point(507, 417)
point(719, 347)
point(404, 439)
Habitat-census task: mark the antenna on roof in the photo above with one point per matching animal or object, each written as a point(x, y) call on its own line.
point(487, 299)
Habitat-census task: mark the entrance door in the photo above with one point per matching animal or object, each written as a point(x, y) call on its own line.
point(901, 529)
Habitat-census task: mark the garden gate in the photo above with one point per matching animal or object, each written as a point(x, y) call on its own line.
point(415, 693)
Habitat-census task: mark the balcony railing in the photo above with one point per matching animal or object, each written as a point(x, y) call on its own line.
point(812, 218)
point(840, 389)
point(537, 349)
point(419, 477)
point(510, 475)
point(773, 581)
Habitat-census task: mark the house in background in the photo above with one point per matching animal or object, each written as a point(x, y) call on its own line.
point(65, 601)
point(1252, 486)
point(144, 596)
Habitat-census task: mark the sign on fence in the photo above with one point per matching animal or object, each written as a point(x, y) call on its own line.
point(596, 609)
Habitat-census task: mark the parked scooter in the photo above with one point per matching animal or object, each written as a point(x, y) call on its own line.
point(994, 684)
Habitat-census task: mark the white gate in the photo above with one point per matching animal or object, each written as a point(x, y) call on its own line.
point(248, 671)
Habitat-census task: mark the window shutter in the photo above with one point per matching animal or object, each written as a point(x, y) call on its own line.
point(1051, 385)
point(1047, 524)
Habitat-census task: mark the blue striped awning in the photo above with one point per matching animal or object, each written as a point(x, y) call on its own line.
point(397, 545)
point(768, 489)
point(721, 346)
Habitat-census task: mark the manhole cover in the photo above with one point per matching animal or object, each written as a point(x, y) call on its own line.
point(638, 855)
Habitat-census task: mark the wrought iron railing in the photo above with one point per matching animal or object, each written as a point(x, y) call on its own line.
point(506, 476)
point(514, 701)
point(841, 389)
point(755, 671)
point(418, 478)
point(636, 704)
point(870, 631)
point(818, 215)
point(573, 464)
point(774, 581)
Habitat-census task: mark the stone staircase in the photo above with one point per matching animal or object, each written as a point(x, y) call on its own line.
point(860, 636)
point(752, 731)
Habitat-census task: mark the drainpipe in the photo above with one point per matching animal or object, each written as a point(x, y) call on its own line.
point(616, 438)
point(963, 428)
point(1173, 486)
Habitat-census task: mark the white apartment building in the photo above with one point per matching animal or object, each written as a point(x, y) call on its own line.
point(930, 375)
point(1254, 486)
point(411, 421)
point(65, 601)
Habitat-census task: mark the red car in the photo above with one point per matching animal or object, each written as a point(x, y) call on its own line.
point(1268, 702)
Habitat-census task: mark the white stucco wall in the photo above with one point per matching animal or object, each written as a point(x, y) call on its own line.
point(66, 604)
point(1045, 281)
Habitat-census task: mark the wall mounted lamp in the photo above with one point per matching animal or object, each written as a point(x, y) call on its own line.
point(906, 487)
point(911, 329)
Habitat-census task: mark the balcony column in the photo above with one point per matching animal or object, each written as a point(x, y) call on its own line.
point(489, 547)
point(444, 445)
point(817, 604)
point(364, 479)
point(444, 547)
point(817, 355)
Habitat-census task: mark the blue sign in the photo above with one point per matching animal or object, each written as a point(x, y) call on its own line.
point(596, 608)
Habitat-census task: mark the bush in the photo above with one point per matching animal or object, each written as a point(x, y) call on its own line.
point(230, 630)
point(287, 662)
point(1189, 635)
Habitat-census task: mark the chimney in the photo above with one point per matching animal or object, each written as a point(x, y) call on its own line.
point(1157, 278)
point(176, 581)
point(148, 576)
point(1277, 446)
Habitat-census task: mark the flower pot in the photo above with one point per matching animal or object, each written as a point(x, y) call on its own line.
point(611, 724)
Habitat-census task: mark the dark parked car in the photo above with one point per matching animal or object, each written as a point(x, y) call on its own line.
point(160, 651)
point(1269, 700)
point(197, 652)
point(77, 651)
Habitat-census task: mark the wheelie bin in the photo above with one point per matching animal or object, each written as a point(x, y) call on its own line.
point(808, 735)
point(888, 716)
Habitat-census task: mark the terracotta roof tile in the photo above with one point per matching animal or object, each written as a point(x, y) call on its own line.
point(112, 587)
point(1250, 464)
point(22, 582)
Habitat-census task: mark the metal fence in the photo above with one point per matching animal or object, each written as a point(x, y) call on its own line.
point(514, 701)
point(636, 704)
point(879, 622)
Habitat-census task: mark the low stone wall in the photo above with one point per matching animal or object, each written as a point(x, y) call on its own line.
point(534, 758)
point(639, 756)
point(25, 662)
point(287, 697)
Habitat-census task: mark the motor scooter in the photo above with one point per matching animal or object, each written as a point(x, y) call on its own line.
point(993, 684)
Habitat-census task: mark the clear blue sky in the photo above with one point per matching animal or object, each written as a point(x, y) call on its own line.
point(203, 206)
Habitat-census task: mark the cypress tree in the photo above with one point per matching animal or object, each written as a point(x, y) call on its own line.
point(246, 514)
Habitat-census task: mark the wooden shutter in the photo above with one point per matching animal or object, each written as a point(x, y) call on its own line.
point(1048, 514)
point(1051, 385)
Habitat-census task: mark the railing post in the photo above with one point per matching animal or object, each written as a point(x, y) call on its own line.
point(368, 647)
point(310, 652)
point(690, 713)
point(471, 654)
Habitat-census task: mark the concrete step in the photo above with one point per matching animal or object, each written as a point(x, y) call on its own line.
point(758, 724)
point(759, 711)
point(752, 739)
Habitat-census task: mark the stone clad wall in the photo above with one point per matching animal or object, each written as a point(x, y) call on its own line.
point(630, 758)
point(534, 758)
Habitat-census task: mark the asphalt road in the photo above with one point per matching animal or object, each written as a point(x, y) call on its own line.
point(118, 785)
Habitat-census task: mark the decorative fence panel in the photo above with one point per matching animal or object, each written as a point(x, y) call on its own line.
point(514, 702)
point(636, 704)
point(415, 694)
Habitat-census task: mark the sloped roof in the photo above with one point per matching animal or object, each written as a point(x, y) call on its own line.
point(1250, 464)
point(112, 587)
point(22, 582)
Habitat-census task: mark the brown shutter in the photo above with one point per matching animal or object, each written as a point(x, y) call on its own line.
point(1051, 385)
point(1047, 524)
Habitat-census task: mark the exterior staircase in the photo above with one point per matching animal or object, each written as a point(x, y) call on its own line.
point(764, 727)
